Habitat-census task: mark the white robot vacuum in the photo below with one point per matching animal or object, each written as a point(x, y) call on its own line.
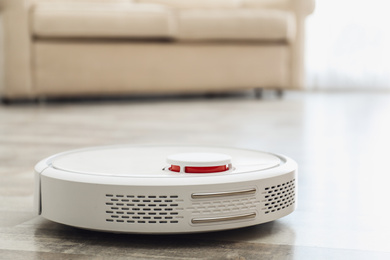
point(165, 189)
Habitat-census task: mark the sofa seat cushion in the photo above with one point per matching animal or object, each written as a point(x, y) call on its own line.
point(239, 24)
point(106, 20)
point(153, 21)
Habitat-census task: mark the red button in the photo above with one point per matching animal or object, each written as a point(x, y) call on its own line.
point(209, 169)
point(199, 162)
point(175, 168)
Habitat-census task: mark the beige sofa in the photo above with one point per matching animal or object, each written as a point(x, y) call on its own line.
point(54, 48)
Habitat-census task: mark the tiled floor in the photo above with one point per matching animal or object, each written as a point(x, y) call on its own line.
point(340, 140)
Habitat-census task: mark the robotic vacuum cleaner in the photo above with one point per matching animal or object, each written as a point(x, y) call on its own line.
point(165, 189)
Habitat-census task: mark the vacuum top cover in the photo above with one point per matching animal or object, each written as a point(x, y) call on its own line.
point(164, 161)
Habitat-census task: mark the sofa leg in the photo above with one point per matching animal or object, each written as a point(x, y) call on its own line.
point(279, 93)
point(259, 93)
point(41, 100)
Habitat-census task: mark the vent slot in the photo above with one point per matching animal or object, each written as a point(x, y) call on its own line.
point(143, 209)
point(222, 206)
point(278, 197)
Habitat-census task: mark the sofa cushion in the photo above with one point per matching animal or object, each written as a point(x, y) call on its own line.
point(79, 1)
point(200, 4)
point(108, 20)
point(240, 24)
point(279, 4)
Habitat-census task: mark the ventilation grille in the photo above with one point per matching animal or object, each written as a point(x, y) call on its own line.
point(143, 209)
point(223, 206)
point(279, 197)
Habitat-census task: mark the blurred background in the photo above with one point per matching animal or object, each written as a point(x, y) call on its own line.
point(347, 45)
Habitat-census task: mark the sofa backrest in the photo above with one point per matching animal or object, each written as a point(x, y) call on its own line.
point(301, 7)
point(81, 1)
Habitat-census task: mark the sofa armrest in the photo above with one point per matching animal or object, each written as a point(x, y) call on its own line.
point(301, 9)
point(304, 7)
point(15, 48)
